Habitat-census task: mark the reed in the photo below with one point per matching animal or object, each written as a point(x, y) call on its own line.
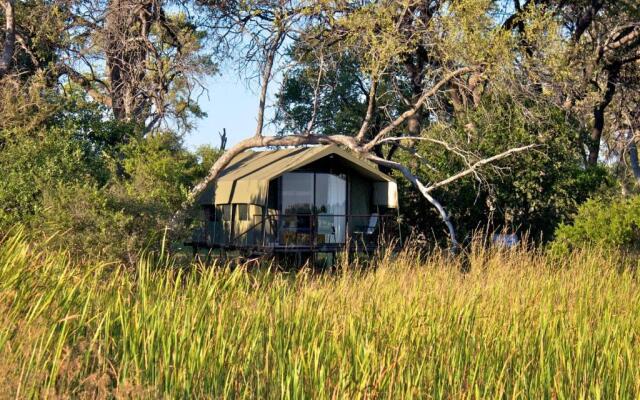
point(518, 324)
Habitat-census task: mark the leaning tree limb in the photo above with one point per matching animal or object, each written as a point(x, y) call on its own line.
point(417, 105)
point(248, 144)
point(259, 140)
point(350, 143)
point(426, 190)
point(425, 193)
point(371, 103)
point(474, 167)
point(271, 52)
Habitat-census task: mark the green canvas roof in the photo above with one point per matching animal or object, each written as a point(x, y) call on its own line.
point(246, 179)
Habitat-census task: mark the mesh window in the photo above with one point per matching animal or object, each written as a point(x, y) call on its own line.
point(243, 212)
point(226, 212)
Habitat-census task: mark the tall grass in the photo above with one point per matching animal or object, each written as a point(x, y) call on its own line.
point(518, 324)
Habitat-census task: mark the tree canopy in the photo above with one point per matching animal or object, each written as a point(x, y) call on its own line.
point(497, 113)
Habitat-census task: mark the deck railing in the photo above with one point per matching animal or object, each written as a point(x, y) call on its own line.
point(305, 231)
point(325, 230)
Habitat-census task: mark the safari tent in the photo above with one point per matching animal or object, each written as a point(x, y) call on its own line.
point(306, 200)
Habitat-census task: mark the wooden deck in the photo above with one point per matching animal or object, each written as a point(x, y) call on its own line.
point(372, 231)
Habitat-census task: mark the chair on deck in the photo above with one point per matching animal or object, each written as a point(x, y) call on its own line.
point(366, 232)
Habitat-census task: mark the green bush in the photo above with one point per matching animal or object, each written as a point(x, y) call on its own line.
point(530, 192)
point(603, 222)
point(94, 187)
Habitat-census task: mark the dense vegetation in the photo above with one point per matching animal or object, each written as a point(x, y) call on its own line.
point(518, 325)
point(606, 223)
point(96, 99)
point(106, 187)
point(516, 116)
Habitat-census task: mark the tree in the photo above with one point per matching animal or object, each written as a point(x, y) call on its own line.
point(439, 46)
point(602, 54)
point(135, 57)
point(153, 60)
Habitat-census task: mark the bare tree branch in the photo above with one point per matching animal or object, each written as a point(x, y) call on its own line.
point(632, 146)
point(416, 106)
point(417, 155)
point(477, 165)
point(370, 107)
point(266, 78)
point(460, 153)
point(223, 139)
point(266, 141)
point(316, 98)
point(425, 193)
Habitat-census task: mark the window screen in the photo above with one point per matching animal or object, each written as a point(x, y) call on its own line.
point(243, 212)
point(226, 212)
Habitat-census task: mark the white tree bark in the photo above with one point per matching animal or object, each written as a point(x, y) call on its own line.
point(425, 193)
point(633, 159)
point(632, 145)
point(9, 45)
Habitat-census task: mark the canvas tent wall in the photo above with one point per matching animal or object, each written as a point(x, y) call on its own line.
point(246, 179)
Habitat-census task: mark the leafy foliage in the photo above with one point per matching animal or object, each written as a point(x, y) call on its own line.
point(606, 222)
point(532, 193)
point(107, 190)
point(97, 94)
point(341, 106)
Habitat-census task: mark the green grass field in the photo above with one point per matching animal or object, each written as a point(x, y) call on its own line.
point(519, 324)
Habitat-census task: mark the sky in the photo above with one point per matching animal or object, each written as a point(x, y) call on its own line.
point(231, 103)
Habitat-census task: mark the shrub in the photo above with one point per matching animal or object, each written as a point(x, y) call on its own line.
point(613, 222)
point(96, 189)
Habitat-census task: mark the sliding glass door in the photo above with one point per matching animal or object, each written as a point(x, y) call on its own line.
point(331, 207)
point(295, 225)
point(313, 207)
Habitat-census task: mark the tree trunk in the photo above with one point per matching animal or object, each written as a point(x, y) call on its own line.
point(633, 159)
point(599, 114)
point(9, 44)
point(127, 28)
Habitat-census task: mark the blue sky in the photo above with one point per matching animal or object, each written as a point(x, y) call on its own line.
point(232, 104)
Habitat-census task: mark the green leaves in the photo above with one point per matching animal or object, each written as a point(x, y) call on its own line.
point(109, 189)
point(605, 222)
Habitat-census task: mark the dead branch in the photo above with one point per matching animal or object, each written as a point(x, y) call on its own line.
point(416, 106)
point(477, 165)
point(459, 152)
point(251, 143)
point(632, 146)
point(223, 139)
point(266, 78)
point(371, 105)
point(425, 193)
point(316, 98)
